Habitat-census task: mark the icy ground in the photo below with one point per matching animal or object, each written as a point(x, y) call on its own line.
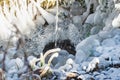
point(88, 42)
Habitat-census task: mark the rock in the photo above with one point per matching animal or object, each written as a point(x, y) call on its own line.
point(14, 64)
point(99, 49)
point(13, 70)
point(8, 78)
point(93, 64)
point(77, 20)
point(117, 6)
point(22, 70)
point(105, 34)
point(97, 18)
point(39, 21)
point(115, 32)
point(117, 39)
point(73, 34)
point(10, 63)
point(61, 59)
point(76, 8)
point(46, 15)
point(100, 77)
point(115, 22)
point(95, 30)
point(90, 19)
point(69, 61)
point(84, 48)
point(80, 56)
point(11, 52)
point(1, 56)
point(84, 65)
point(108, 42)
point(19, 63)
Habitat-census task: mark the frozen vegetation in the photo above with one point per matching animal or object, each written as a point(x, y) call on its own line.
point(59, 40)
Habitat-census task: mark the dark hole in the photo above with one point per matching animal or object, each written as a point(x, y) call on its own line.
point(64, 44)
point(107, 59)
point(91, 9)
point(1, 47)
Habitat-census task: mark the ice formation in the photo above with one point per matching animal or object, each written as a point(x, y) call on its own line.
point(91, 27)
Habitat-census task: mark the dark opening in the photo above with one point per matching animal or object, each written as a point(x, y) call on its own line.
point(64, 44)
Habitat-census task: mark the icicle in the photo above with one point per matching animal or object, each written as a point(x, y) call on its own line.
point(56, 27)
point(48, 17)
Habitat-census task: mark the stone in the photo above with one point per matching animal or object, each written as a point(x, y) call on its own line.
point(90, 19)
point(93, 64)
point(84, 48)
point(50, 18)
point(40, 20)
point(10, 63)
point(95, 30)
point(61, 59)
point(117, 6)
point(115, 22)
point(97, 18)
point(11, 52)
point(73, 34)
point(1, 56)
point(77, 20)
point(80, 56)
point(105, 34)
point(76, 9)
point(19, 63)
point(108, 42)
point(69, 61)
point(117, 39)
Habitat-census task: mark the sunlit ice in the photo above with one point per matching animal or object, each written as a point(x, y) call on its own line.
point(20, 15)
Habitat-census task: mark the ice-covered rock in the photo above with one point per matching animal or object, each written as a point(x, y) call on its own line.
point(14, 65)
point(105, 34)
point(73, 34)
point(61, 59)
point(108, 42)
point(100, 77)
point(115, 22)
point(11, 52)
point(95, 29)
point(84, 48)
point(19, 63)
point(50, 18)
point(77, 20)
point(76, 8)
point(90, 19)
point(98, 20)
point(80, 56)
point(40, 20)
point(1, 56)
point(93, 64)
point(10, 63)
point(117, 39)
